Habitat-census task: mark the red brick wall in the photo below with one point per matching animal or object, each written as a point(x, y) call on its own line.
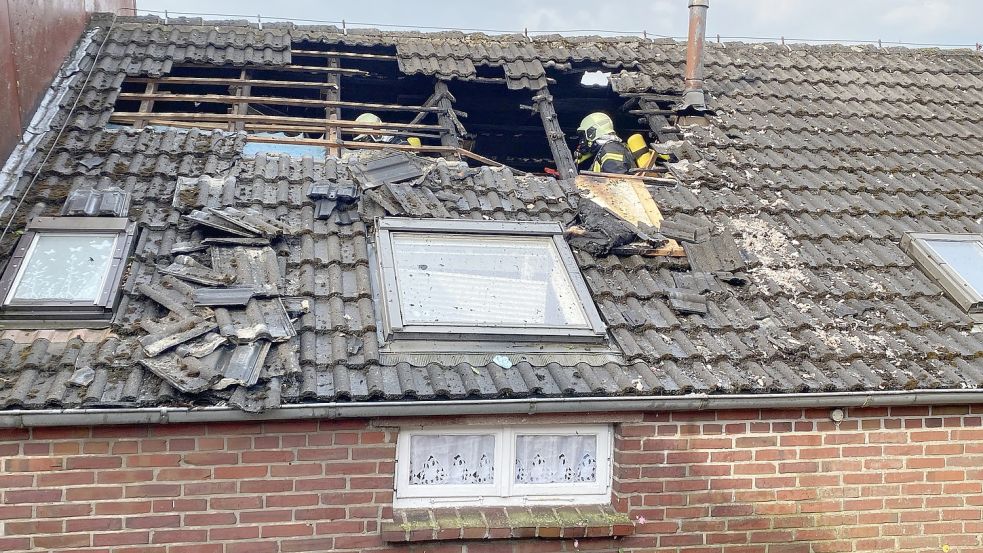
point(715, 482)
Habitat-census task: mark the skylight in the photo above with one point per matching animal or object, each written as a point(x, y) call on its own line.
point(64, 267)
point(955, 261)
point(964, 257)
point(67, 268)
point(483, 279)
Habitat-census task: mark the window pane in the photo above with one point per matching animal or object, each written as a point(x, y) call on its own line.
point(452, 459)
point(63, 267)
point(551, 459)
point(483, 280)
point(965, 257)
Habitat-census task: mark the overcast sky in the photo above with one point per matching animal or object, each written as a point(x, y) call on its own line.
point(916, 21)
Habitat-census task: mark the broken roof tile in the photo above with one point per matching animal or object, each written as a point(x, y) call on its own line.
point(391, 167)
point(172, 334)
point(187, 268)
point(719, 253)
point(233, 295)
point(253, 267)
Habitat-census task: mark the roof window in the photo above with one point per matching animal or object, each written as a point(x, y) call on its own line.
point(67, 268)
point(452, 279)
point(955, 261)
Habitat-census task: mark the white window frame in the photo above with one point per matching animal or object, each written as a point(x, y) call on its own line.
point(958, 288)
point(505, 491)
point(388, 285)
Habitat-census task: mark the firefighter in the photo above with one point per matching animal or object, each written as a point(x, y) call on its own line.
point(599, 142)
point(382, 138)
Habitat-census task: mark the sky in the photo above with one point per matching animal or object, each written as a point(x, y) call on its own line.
point(954, 22)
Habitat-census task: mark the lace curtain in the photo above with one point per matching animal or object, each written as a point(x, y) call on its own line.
point(555, 459)
point(452, 459)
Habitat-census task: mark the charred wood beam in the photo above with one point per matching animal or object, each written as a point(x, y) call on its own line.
point(446, 117)
point(543, 103)
point(332, 113)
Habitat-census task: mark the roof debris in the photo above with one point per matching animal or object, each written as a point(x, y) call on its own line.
point(235, 295)
point(328, 195)
point(218, 334)
point(391, 167)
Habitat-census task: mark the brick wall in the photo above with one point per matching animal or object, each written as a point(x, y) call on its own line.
point(716, 482)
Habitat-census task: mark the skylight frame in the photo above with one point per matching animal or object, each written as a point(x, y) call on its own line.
point(40, 312)
point(960, 290)
point(395, 327)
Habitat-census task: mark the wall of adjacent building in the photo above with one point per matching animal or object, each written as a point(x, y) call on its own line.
point(901, 479)
point(35, 38)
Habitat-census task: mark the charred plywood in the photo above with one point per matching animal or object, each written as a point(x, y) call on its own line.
point(627, 198)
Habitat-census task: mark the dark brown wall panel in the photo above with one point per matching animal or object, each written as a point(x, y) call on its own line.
point(35, 37)
point(10, 123)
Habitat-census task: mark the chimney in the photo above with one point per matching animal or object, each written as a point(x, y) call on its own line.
point(693, 97)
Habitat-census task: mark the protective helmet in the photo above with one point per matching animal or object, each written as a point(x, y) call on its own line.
point(595, 125)
point(368, 118)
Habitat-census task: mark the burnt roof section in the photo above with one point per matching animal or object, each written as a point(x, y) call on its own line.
point(817, 161)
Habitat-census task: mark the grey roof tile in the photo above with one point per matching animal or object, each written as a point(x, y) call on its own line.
point(819, 158)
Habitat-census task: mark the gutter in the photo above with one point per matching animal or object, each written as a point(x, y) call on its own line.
point(347, 410)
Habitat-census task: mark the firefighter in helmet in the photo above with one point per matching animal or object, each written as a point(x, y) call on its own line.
point(600, 145)
point(374, 119)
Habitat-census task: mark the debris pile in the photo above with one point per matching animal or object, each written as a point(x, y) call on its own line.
point(223, 293)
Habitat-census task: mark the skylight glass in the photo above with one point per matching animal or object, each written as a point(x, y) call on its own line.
point(65, 267)
point(964, 257)
point(484, 280)
point(451, 280)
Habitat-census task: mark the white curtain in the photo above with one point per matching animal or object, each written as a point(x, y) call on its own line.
point(452, 459)
point(551, 459)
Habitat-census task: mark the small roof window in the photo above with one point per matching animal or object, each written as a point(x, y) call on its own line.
point(482, 279)
point(955, 261)
point(66, 268)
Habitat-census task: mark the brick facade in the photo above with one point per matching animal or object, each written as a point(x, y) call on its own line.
point(883, 479)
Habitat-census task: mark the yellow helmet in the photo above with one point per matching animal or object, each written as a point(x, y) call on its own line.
point(595, 125)
point(368, 118)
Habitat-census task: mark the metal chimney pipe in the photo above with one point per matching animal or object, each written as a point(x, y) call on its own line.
point(693, 92)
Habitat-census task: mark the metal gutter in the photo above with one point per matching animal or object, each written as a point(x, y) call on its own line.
point(343, 410)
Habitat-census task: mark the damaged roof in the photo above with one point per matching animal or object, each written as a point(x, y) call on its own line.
point(816, 161)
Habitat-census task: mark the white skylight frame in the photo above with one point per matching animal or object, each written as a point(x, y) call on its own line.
point(505, 491)
point(395, 326)
point(122, 232)
point(918, 246)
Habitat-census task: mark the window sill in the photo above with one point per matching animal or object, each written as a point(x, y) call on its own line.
point(480, 523)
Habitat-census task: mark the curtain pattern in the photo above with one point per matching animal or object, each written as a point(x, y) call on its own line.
point(452, 459)
point(555, 459)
